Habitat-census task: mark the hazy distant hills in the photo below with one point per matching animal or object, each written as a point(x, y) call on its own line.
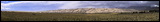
point(91, 10)
point(142, 8)
point(98, 10)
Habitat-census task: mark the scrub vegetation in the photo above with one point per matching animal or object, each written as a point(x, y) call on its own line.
point(27, 16)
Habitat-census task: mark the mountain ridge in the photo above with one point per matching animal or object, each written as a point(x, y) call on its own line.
point(91, 10)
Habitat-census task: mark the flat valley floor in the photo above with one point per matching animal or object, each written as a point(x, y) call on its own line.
point(21, 16)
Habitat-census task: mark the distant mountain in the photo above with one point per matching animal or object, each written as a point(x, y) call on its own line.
point(142, 8)
point(91, 10)
point(100, 10)
point(97, 10)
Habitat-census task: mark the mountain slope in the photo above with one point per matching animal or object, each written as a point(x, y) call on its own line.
point(91, 10)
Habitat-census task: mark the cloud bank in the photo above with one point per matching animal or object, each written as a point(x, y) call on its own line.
point(52, 5)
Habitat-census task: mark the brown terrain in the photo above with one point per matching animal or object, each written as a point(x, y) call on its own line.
point(91, 10)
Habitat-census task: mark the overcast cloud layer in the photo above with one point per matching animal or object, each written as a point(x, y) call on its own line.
point(52, 5)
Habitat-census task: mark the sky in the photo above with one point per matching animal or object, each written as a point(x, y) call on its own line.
point(54, 5)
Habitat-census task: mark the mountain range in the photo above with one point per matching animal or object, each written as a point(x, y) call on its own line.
point(98, 10)
point(91, 10)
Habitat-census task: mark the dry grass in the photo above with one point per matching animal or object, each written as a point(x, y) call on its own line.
point(20, 16)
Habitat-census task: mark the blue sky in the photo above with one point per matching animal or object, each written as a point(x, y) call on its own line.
point(8, 1)
point(26, 6)
point(53, 5)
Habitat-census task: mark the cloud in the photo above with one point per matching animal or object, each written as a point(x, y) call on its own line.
point(114, 3)
point(155, 5)
point(50, 5)
point(3, 7)
point(41, 5)
point(6, 6)
point(32, 5)
point(103, 4)
point(71, 5)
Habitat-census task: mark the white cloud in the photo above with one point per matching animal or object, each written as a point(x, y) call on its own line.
point(67, 4)
point(4, 1)
point(31, 4)
point(12, 3)
point(3, 6)
point(35, 2)
point(155, 5)
point(7, 6)
point(70, 5)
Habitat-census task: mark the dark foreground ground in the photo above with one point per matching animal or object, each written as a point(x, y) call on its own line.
point(20, 16)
